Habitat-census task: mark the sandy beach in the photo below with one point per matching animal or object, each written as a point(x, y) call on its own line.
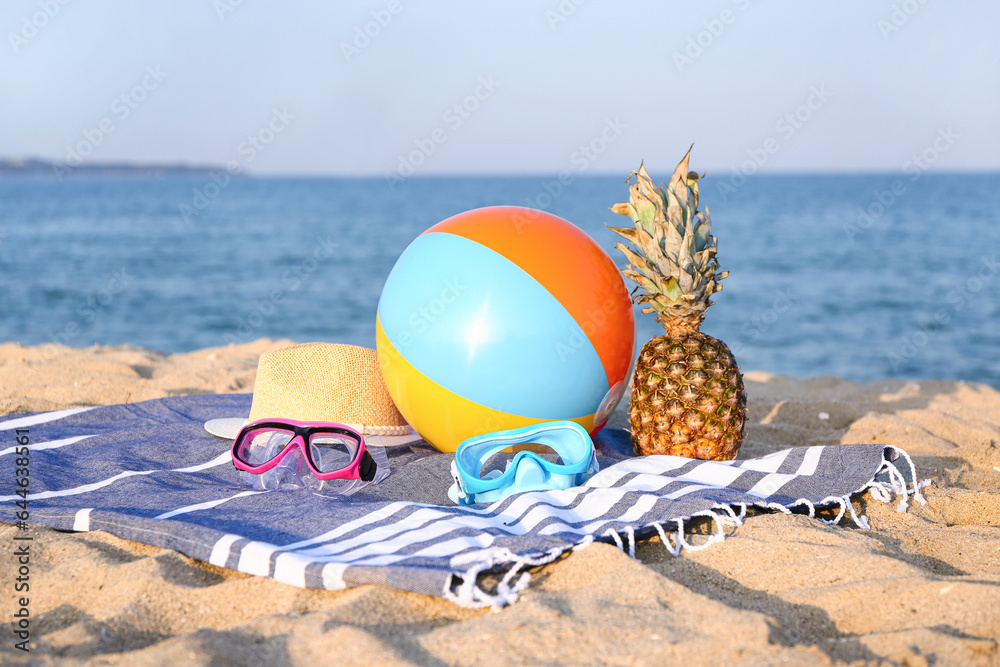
point(919, 588)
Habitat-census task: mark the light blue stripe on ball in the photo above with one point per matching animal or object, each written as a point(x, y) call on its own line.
point(478, 325)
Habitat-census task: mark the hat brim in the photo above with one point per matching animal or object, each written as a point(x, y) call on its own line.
point(227, 427)
point(230, 427)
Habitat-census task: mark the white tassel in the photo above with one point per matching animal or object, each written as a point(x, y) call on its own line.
point(860, 520)
point(834, 499)
point(720, 534)
point(618, 540)
point(919, 497)
point(779, 507)
point(808, 504)
point(736, 520)
point(471, 596)
point(880, 492)
point(673, 549)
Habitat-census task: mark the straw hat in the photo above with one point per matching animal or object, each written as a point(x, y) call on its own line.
point(321, 382)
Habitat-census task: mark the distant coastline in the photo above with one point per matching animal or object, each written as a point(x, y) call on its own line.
point(51, 168)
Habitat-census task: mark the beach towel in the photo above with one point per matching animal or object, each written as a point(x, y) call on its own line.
point(149, 472)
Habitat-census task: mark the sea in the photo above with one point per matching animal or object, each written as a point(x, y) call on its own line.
point(864, 277)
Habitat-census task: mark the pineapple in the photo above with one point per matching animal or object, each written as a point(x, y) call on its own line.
point(688, 397)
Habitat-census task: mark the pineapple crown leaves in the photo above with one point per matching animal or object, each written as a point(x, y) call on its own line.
point(672, 260)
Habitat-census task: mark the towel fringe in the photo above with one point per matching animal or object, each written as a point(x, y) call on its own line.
point(470, 595)
point(616, 537)
point(882, 491)
point(844, 504)
point(587, 540)
point(737, 520)
point(779, 507)
point(829, 500)
point(808, 504)
point(720, 524)
point(860, 519)
point(897, 482)
point(675, 548)
point(713, 538)
point(629, 533)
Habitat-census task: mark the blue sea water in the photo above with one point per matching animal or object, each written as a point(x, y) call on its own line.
point(860, 276)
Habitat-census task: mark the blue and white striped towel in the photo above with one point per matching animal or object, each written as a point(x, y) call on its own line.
point(148, 472)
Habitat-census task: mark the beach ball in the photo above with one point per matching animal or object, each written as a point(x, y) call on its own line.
point(503, 317)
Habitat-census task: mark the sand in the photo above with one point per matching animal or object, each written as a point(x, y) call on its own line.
point(920, 588)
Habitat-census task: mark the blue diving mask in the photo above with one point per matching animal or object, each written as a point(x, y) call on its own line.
point(561, 455)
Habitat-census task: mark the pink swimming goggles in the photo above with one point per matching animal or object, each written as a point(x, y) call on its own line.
point(285, 448)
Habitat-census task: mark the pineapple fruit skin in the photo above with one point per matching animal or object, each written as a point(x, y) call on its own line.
point(688, 398)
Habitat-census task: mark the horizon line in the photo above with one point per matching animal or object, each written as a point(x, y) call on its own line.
point(44, 164)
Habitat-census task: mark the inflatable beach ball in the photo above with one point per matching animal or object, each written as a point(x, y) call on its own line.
point(502, 317)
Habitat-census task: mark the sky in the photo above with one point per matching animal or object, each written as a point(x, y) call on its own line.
point(397, 87)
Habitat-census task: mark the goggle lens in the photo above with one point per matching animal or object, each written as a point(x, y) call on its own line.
point(329, 451)
point(496, 464)
point(259, 447)
point(332, 451)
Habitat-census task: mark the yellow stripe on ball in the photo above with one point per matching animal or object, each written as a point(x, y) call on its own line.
point(442, 417)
